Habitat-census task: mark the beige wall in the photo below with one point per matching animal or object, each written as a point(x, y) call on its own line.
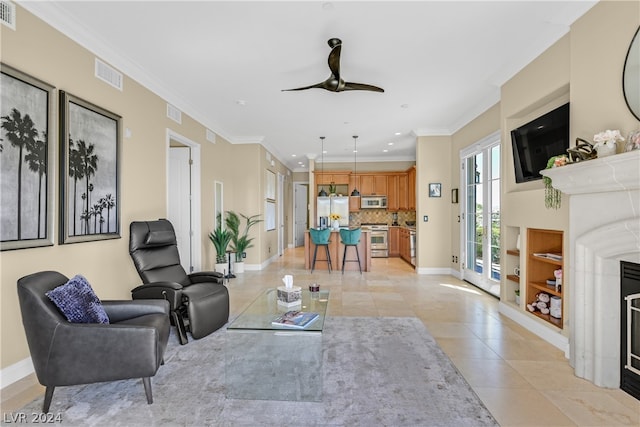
point(38, 50)
point(433, 157)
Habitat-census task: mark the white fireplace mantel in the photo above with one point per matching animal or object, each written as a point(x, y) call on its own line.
point(614, 173)
point(604, 228)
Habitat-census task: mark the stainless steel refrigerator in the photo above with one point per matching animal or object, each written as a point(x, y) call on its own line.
point(335, 204)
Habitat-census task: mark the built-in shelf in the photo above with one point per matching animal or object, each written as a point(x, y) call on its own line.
point(511, 262)
point(513, 278)
point(541, 268)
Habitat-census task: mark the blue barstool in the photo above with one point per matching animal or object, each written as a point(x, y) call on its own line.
point(320, 238)
point(350, 238)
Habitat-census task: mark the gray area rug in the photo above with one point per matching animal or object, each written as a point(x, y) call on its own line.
point(376, 372)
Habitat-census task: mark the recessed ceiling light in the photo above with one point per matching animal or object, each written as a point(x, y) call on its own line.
point(241, 102)
point(389, 143)
point(294, 155)
point(324, 152)
point(385, 151)
point(398, 133)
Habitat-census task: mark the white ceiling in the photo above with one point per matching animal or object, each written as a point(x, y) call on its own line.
point(441, 64)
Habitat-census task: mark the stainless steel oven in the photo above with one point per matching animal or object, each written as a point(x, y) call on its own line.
point(379, 240)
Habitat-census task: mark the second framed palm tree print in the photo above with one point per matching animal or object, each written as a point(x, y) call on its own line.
point(90, 139)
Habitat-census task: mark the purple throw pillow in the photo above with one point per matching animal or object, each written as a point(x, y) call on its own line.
point(77, 301)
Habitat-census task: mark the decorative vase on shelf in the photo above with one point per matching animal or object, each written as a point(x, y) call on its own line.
point(605, 142)
point(606, 150)
point(336, 224)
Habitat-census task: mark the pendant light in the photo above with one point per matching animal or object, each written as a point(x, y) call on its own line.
point(355, 191)
point(322, 193)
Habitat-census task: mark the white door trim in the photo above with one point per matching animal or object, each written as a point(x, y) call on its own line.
point(195, 194)
point(466, 152)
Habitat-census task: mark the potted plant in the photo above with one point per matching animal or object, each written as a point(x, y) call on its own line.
point(517, 296)
point(220, 238)
point(332, 189)
point(240, 240)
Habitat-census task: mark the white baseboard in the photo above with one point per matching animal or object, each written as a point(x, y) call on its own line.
point(15, 372)
point(435, 271)
point(552, 337)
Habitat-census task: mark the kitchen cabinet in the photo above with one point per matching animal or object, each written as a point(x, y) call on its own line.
point(326, 178)
point(394, 241)
point(354, 203)
point(393, 202)
point(398, 192)
point(411, 186)
point(371, 184)
point(403, 192)
point(405, 244)
point(399, 187)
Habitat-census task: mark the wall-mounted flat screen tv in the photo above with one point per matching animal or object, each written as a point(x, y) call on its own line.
point(537, 141)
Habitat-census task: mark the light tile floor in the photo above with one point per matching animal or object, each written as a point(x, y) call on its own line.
point(522, 380)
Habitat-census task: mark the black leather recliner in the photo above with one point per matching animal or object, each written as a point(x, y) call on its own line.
point(132, 345)
point(199, 302)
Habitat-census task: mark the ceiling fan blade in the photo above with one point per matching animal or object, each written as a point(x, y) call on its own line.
point(334, 60)
point(361, 86)
point(317, 85)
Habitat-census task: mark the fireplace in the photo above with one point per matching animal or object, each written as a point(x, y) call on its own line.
point(604, 230)
point(630, 328)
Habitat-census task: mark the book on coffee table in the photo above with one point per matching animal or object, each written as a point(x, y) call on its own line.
point(295, 319)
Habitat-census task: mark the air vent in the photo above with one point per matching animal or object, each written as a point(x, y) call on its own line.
point(109, 75)
point(211, 136)
point(174, 114)
point(8, 14)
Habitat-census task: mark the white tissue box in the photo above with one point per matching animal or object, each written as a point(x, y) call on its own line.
point(289, 296)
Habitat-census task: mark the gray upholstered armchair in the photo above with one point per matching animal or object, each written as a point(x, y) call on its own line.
point(132, 345)
point(199, 302)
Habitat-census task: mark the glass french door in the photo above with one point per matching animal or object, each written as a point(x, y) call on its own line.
point(481, 213)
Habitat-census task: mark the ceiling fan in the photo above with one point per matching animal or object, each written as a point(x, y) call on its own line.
point(335, 83)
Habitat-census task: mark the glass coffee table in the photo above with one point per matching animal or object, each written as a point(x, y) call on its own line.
point(267, 362)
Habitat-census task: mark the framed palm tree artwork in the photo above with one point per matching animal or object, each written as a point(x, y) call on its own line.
point(90, 140)
point(26, 168)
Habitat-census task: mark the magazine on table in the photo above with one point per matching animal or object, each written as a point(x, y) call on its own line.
point(295, 319)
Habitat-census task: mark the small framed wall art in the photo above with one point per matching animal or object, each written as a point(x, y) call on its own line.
point(435, 190)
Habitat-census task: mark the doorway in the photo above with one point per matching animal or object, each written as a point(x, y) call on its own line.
point(183, 197)
point(480, 173)
point(280, 198)
point(301, 212)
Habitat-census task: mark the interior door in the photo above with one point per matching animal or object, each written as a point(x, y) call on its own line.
point(280, 199)
point(481, 171)
point(301, 212)
point(179, 206)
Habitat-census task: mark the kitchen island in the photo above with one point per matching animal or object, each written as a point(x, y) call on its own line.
point(336, 251)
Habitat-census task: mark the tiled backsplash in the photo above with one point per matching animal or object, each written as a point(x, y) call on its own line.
point(379, 216)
